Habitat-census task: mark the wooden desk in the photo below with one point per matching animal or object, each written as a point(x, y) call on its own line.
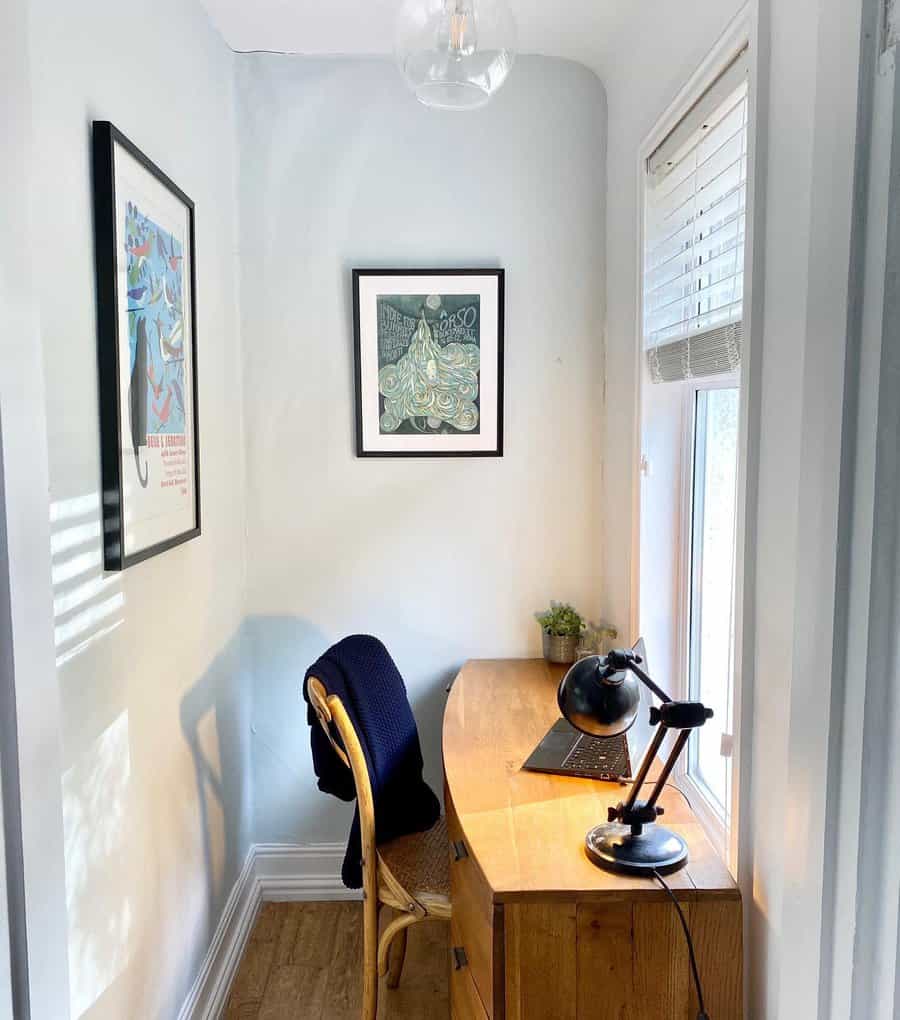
point(546, 934)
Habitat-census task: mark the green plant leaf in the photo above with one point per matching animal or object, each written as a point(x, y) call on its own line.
point(561, 619)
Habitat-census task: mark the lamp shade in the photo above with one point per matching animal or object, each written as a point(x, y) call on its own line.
point(597, 699)
point(455, 54)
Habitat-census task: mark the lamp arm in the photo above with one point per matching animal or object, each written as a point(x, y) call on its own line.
point(663, 777)
point(681, 715)
point(637, 813)
point(620, 659)
point(657, 690)
point(649, 756)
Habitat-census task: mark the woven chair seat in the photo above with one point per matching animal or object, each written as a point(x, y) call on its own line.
point(421, 861)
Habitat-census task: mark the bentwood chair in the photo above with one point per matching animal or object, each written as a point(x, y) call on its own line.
point(410, 874)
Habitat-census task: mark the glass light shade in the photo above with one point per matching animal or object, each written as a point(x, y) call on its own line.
point(455, 54)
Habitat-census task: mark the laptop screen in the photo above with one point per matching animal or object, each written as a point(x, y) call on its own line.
point(641, 732)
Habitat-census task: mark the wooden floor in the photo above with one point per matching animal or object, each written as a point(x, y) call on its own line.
point(304, 962)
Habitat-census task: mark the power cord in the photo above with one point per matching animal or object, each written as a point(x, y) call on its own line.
point(702, 1015)
point(630, 782)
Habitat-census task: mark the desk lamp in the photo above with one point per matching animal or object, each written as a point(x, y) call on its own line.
point(601, 696)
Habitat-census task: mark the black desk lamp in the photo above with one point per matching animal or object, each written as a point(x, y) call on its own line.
point(600, 696)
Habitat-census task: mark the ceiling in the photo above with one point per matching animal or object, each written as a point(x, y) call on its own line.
point(581, 30)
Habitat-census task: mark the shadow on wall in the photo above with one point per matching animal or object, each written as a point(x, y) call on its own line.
point(255, 684)
point(288, 807)
point(115, 881)
point(214, 719)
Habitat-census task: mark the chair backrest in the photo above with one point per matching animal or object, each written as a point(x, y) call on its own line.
point(330, 710)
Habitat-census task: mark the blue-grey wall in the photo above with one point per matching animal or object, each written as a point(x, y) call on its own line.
point(444, 559)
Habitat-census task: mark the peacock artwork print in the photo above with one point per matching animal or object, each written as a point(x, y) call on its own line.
point(429, 372)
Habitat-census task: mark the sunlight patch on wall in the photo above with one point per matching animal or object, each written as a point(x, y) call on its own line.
point(87, 604)
point(99, 893)
point(74, 566)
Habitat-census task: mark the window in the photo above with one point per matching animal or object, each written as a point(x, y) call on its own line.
point(713, 514)
point(695, 185)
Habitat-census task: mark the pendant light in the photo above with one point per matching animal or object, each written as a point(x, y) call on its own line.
point(455, 54)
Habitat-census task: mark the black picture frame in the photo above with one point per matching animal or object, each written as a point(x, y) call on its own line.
point(499, 276)
point(105, 140)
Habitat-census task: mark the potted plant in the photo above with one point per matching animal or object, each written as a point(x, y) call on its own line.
point(562, 626)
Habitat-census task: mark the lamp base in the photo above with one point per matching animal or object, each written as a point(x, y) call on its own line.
point(616, 848)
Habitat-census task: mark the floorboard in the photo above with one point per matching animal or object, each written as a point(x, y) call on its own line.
point(304, 962)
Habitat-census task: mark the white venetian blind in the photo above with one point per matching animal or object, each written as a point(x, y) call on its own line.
point(695, 215)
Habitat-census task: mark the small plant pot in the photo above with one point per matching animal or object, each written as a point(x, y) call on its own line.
point(560, 648)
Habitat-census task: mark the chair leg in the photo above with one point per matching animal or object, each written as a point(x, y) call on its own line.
point(397, 956)
point(370, 958)
point(392, 932)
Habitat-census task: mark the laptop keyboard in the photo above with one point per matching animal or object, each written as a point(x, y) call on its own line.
point(606, 756)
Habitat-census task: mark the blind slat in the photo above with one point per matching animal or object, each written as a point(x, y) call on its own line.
point(733, 251)
point(695, 325)
point(711, 187)
point(721, 206)
point(715, 352)
point(721, 295)
point(717, 241)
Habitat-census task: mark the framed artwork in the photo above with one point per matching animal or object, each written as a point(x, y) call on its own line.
point(429, 362)
point(147, 350)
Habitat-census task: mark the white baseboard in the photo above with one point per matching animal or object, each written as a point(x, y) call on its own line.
point(272, 872)
point(208, 995)
point(311, 872)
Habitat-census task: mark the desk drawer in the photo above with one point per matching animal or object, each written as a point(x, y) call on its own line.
point(465, 1002)
point(477, 922)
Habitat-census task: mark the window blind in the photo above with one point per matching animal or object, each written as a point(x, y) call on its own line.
point(694, 228)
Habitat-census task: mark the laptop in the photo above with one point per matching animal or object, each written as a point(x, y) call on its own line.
point(565, 751)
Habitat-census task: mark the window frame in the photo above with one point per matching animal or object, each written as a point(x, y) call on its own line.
point(716, 824)
point(741, 32)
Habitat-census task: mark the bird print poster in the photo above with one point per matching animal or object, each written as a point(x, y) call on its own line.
point(429, 362)
point(154, 272)
point(151, 488)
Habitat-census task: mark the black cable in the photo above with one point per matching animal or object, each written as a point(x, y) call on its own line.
point(630, 782)
point(702, 1015)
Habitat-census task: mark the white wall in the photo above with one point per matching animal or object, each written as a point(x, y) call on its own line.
point(801, 333)
point(862, 875)
point(155, 775)
point(27, 676)
point(443, 559)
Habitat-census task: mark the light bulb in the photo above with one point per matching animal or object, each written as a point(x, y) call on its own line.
point(461, 36)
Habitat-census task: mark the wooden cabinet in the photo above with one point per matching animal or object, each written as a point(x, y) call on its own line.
point(477, 925)
point(465, 1002)
point(542, 933)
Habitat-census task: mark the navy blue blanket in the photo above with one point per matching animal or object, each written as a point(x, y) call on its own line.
point(362, 674)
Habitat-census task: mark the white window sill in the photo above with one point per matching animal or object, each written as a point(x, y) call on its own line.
point(708, 815)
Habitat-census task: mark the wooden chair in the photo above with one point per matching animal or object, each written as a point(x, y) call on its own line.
point(410, 874)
